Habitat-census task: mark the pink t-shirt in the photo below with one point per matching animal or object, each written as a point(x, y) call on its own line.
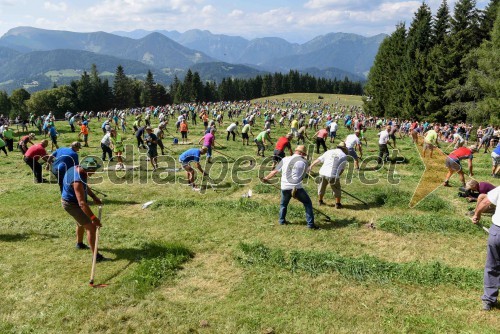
point(322, 133)
point(208, 140)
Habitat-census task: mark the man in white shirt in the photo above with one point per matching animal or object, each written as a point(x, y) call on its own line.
point(232, 129)
point(492, 266)
point(383, 141)
point(333, 131)
point(458, 140)
point(334, 162)
point(352, 142)
point(106, 147)
point(293, 170)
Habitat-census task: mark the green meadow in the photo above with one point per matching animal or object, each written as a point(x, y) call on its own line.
point(216, 261)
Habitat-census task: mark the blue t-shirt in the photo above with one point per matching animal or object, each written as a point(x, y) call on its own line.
point(193, 154)
point(65, 158)
point(53, 131)
point(72, 176)
point(497, 149)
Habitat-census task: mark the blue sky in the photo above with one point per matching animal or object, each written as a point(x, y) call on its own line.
point(294, 20)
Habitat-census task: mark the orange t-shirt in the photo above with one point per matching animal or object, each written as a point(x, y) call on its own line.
point(84, 129)
point(184, 127)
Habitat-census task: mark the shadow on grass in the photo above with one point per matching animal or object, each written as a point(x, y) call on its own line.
point(17, 237)
point(14, 237)
point(157, 261)
point(339, 223)
point(108, 200)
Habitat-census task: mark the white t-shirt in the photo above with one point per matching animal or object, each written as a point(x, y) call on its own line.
point(106, 140)
point(458, 138)
point(494, 198)
point(293, 169)
point(351, 141)
point(383, 137)
point(334, 126)
point(334, 162)
point(232, 127)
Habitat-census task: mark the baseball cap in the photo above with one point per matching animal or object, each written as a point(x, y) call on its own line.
point(90, 164)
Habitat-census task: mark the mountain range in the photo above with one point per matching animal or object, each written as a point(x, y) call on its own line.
point(38, 58)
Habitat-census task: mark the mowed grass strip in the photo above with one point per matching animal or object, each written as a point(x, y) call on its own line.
point(364, 268)
point(431, 223)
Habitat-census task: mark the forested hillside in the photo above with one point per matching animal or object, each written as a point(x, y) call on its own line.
point(441, 68)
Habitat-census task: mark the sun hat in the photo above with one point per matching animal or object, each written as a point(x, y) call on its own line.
point(301, 149)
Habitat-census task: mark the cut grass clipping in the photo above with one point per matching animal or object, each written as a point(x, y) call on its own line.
point(365, 268)
point(404, 224)
point(159, 262)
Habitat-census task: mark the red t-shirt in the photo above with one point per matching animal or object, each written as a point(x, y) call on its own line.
point(461, 153)
point(35, 152)
point(322, 133)
point(282, 143)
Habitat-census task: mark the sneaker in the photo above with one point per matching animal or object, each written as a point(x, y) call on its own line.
point(101, 258)
point(321, 202)
point(313, 227)
point(286, 222)
point(487, 306)
point(338, 205)
point(196, 188)
point(446, 184)
point(81, 245)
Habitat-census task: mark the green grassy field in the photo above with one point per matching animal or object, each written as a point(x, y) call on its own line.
point(215, 262)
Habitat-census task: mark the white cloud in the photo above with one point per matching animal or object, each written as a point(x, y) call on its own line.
point(337, 4)
point(236, 13)
point(208, 10)
point(58, 7)
point(8, 3)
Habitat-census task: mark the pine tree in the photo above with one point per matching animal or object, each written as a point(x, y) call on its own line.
point(385, 85)
point(487, 19)
point(148, 90)
point(439, 63)
point(486, 78)
point(84, 93)
point(464, 37)
point(441, 24)
point(415, 65)
point(122, 89)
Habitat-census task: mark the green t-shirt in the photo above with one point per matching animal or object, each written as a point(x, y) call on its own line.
point(261, 136)
point(9, 134)
point(2, 143)
point(246, 128)
point(117, 143)
point(431, 137)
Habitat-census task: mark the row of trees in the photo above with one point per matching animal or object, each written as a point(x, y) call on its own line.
point(90, 92)
point(443, 68)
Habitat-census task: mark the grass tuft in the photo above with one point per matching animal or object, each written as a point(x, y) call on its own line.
point(365, 268)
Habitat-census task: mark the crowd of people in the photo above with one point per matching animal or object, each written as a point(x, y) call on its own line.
point(317, 123)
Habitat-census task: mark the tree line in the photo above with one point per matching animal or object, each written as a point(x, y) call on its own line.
point(443, 68)
point(91, 92)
